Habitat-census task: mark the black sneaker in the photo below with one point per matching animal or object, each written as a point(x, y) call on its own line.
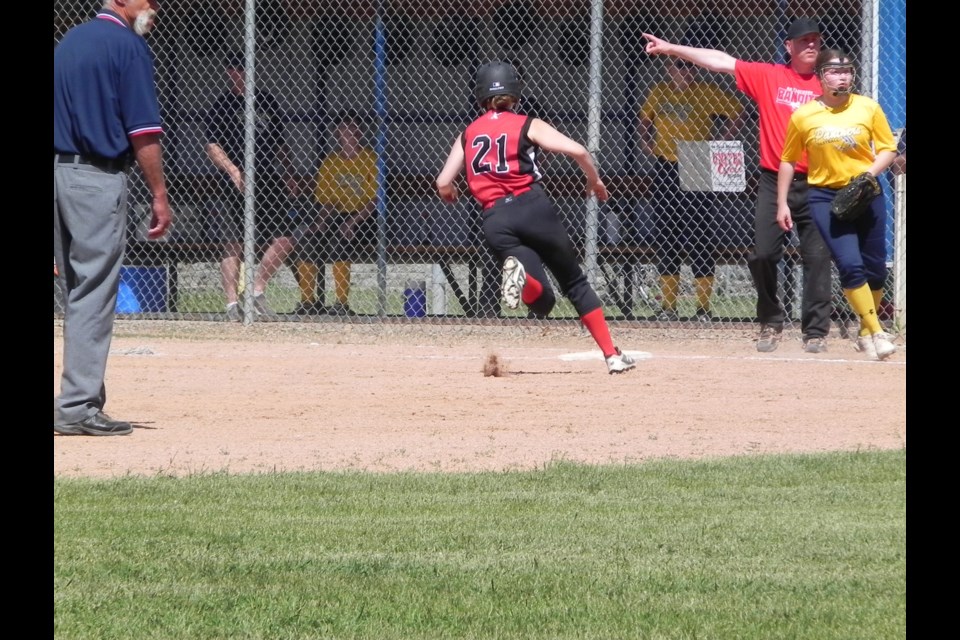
point(309, 309)
point(703, 315)
point(668, 315)
point(340, 309)
point(769, 338)
point(814, 344)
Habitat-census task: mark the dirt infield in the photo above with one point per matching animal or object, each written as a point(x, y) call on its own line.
point(212, 397)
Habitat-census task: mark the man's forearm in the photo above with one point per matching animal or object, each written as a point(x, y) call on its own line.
point(149, 154)
point(219, 158)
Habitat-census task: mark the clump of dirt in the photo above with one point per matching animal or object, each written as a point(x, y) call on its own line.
point(494, 366)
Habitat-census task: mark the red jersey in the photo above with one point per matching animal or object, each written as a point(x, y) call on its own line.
point(778, 90)
point(499, 157)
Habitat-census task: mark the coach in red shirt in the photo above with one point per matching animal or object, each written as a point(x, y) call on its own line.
point(777, 89)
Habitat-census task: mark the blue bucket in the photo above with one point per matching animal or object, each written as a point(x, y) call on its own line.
point(415, 299)
point(142, 290)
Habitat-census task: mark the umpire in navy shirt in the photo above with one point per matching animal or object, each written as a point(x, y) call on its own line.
point(105, 115)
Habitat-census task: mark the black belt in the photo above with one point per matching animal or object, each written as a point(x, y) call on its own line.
point(106, 164)
point(797, 177)
point(510, 197)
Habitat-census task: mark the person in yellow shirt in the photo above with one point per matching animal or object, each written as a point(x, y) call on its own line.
point(683, 108)
point(345, 194)
point(338, 222)
point(844, 134)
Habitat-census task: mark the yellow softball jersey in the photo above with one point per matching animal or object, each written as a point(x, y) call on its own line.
point(686, 115)
point(347, 184)
point(841, 143)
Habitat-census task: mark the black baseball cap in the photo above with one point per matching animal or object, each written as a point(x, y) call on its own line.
point(801, 27)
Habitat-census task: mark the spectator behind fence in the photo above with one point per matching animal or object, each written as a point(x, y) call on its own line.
point(777, 89)
point(683, 109)
point(521, 225)
point(844, 134)
point(105, 113)
point(226, 123)
point(345, 194)
point(347, 177)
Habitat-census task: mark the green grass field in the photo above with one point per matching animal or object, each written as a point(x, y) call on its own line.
point(749, 548)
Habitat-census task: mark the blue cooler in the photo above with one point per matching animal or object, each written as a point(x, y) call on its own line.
point(142, 290)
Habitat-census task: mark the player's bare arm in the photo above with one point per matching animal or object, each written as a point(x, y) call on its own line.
point(712, 59)
point(784, 179)
point(882, 162)
point(549, 139)
point(451, 169)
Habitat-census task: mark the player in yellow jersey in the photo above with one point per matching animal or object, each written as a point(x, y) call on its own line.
point(345, 192)
point(844, 134)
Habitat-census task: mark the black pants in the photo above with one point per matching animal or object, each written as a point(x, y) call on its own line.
point(764, 259)
point(530, 229)
point(684, 221)
point(272, 211)
point(330, 245)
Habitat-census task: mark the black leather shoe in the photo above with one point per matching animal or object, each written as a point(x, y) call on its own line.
point(99, 424)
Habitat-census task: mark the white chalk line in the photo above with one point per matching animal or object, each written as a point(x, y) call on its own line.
point(582, 356)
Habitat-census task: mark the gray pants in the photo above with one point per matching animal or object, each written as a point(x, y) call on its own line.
point(89, 238)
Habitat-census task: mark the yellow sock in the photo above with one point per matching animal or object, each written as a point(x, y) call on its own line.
point(341, 281)
point(307, 273)
point(861, 301)
point(704, 288)
point(877, 297)
point(669, 290)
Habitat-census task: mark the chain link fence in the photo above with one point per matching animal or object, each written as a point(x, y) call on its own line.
point(354, 229)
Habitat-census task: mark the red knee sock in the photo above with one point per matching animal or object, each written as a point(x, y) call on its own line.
point(596, 324)
point(531, 290)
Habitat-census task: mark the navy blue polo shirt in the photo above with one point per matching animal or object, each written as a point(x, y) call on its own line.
point(103, 89)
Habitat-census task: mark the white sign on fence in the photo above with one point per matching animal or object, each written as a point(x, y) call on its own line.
point(711, 165)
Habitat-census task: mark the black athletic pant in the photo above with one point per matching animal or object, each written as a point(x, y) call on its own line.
point(529, 228)
point(684, 220)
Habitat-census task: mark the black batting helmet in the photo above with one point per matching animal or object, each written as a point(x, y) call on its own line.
point(497, 79)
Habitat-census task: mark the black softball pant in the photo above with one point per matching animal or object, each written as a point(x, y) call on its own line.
point(530, 229)
point(684, 220)
point(764, 260)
